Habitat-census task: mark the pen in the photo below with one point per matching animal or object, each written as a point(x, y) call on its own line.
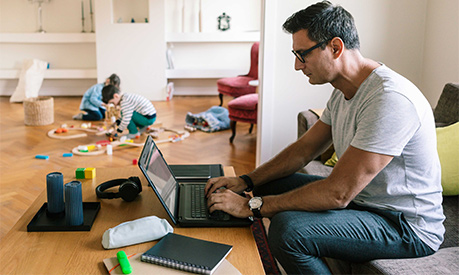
point(124, 262)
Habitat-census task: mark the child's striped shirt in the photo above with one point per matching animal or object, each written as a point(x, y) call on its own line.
point(131, 103)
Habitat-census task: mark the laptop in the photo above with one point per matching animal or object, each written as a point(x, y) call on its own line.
point(184, 202)
point(196, 172)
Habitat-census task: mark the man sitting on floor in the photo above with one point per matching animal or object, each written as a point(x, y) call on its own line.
point(383, 198)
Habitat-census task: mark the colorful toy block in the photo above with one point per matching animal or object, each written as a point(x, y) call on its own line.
point(89, 173)
point(41, 157)
point(85, 173)
point(79, 173)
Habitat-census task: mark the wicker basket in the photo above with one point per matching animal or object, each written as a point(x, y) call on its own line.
point(39, 111)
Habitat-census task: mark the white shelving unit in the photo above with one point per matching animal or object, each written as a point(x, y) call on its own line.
point(219, 38)
point(54, 74)
point(49, 38)
point(213, 37)
point(201, 73)
point(83, 58)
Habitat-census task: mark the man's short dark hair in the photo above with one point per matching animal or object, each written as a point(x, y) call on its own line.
point(108, 92)
point(115, 80)
point(324, 21)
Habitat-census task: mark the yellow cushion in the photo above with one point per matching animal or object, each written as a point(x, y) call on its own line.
point(332, 161)
point(448, 149)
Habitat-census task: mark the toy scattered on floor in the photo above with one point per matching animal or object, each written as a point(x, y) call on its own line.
point(108, 147)
point(67, 155)
point(214, 119)
point(41, 157)
point(112, 113)
point(190, 128)
point(85, 173)
point(134, 162)
point(63, 131)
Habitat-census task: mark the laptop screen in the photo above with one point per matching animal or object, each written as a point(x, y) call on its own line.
point(159, 175)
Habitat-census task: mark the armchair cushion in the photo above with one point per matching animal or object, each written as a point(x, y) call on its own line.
point(236, 86)
point(447, 110)
point(244, 108)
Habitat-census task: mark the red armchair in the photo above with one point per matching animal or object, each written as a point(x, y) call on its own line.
point(239, 85)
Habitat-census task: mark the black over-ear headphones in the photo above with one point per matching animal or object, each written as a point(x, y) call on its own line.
point(128, 191)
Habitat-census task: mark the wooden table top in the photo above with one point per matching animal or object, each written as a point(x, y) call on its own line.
point(81, 252)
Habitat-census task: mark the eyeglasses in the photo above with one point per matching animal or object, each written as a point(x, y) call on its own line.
point(301, 55)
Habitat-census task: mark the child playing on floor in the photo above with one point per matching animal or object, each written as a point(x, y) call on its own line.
point(92, 100)
point(137, 112)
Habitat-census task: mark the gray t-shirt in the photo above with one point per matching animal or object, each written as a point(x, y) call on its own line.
point(389, 115)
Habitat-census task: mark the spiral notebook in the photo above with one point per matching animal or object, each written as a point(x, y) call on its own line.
point(141, 268)
point(187, 254)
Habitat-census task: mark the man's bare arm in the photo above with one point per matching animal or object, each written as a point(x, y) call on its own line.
point(354, 170)
point(291, 159)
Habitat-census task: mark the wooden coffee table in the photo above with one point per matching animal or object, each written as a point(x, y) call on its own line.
point(81, 252)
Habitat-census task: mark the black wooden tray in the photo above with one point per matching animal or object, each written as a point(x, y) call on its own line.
point(41, 222)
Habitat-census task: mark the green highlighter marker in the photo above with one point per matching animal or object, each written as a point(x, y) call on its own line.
point(124, 262)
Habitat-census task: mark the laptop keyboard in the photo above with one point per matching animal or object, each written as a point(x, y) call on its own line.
point(198, 202)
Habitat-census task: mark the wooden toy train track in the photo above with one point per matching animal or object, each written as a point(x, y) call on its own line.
point(101, 148)
point(59, 133)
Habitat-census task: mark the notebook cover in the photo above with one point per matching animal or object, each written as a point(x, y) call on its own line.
point(139, 267)
point(190, 251)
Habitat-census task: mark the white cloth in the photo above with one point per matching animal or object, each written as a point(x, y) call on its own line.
point(30, 80)
point(136, 231)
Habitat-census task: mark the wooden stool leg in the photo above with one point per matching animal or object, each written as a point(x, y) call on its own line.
point(233, 130)
point(251, 128)
point(221, 99)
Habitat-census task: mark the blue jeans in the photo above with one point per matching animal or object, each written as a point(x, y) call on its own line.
point(298, 239)
point(94, 115)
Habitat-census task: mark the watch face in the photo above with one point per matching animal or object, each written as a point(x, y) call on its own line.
point(255, 202)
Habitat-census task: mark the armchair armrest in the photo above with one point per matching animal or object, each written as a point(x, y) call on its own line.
point(305, 121)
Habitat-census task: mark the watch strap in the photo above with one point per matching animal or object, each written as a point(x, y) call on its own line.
point(257, 213)
point(248, 181)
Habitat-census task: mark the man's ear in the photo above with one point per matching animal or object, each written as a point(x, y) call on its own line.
point(337, 46)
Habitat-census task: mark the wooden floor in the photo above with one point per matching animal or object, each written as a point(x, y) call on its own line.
point(19, 144)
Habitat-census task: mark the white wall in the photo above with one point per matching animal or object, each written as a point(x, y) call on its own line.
point(391, 31)
point(135, 52)
point(441, 49)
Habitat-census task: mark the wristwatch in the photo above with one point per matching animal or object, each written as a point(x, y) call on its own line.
point(255, 204)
